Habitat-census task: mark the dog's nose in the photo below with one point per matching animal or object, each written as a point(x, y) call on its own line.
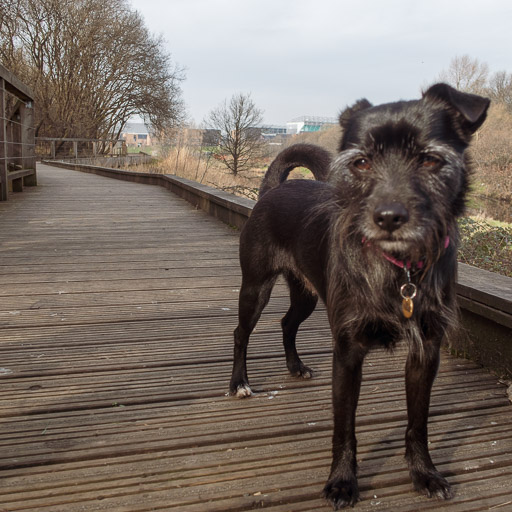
point(390, 216)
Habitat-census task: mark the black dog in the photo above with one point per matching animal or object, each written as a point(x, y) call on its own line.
point(376, 239)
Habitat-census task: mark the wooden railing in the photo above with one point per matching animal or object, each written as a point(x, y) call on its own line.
point(49, 148)
point(17, 141)
point(111, 161)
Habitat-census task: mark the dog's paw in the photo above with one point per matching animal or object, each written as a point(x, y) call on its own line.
point(306, 373)
point(432, 483)
point(341, 493)
point(301, 372)
point(241, 391)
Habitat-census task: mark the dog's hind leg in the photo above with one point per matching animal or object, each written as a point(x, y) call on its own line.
point(420, 375)
point(302, 304)
point(253, 298)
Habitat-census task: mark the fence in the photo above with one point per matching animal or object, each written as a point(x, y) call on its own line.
point(48, 148)
point(17, 141)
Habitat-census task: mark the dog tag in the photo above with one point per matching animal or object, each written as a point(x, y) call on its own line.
point(408, 292)
point(407, 307)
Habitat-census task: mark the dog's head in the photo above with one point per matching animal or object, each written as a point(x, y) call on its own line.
point(404, 165)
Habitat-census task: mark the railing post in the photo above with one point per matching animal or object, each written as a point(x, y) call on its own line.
point(28, 156)
point(17, 141)
point(4, 185)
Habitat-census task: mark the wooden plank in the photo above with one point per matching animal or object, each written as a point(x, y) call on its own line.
point(4, 148)
point(492, 289)
point(114, 392)
point(14, 175)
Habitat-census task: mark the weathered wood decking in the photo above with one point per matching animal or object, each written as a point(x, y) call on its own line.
point(117, 303)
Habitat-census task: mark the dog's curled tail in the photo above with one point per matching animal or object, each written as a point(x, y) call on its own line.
point(313, 157)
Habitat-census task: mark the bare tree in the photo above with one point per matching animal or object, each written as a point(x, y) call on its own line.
point(466, 74)
point(240, 138)
point(92, 65)
point(500, 88)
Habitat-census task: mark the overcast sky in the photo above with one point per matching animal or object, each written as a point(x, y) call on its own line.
point(313, 57)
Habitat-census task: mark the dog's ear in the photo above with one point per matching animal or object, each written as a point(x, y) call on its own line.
point(345, 116)
point(471, 107)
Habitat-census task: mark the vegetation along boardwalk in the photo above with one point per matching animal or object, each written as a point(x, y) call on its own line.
point(117, 304)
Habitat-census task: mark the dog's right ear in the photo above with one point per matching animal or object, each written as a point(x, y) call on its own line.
point(345, 116)
point(471, 107)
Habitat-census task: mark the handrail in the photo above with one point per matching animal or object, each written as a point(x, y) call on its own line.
point(17, 141)
point(73, 147)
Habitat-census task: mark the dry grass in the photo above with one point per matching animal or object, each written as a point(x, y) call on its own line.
point(492, 153)
point(203, 167)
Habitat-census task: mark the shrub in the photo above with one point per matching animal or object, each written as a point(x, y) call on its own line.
point(486, 245)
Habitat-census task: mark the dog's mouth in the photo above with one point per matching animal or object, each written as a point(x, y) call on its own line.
point(403, 242)
point(401, 249)
point(396, 247)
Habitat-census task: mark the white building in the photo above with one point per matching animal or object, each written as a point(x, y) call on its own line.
point(306, 124)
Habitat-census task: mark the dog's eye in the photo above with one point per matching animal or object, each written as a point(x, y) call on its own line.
point(431, 162)
point(362, 164)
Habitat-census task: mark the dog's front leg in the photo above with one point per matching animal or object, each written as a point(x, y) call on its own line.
point(341, 489)
point(420, 375)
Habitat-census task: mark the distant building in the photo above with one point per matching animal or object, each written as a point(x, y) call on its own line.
point(272, 130)
point(307, 124)
point(137, 134)
point(201, 137)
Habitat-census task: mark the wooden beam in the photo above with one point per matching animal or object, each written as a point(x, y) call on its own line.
point(15, 86)
point(3, 143)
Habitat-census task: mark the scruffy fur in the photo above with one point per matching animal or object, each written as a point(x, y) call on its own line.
point(389, 197)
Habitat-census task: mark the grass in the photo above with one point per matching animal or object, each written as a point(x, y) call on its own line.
point(487, 244)
point(203, 167)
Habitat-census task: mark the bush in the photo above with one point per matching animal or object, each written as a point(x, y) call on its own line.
point(485, 245)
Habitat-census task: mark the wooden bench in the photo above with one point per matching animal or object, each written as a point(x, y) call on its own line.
point(21, 178)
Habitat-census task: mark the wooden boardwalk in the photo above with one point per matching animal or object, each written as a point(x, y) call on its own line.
point(117, 304)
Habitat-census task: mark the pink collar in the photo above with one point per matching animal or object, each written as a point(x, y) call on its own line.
point(406, 264)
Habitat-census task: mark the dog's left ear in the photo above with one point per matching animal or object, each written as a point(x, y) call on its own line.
point(471, 107)
point(345, 116)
